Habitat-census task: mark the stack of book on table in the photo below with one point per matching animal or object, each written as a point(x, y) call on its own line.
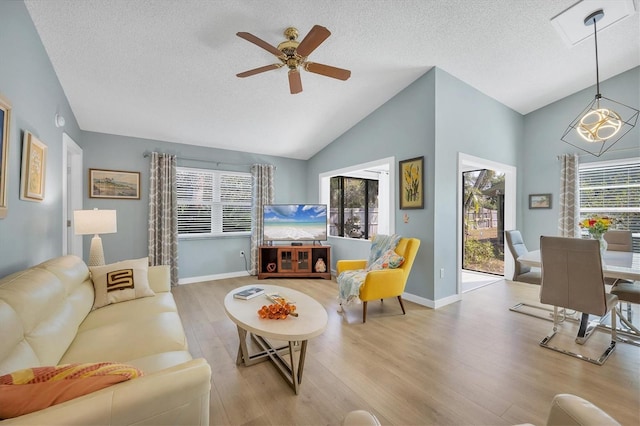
point(249, 293)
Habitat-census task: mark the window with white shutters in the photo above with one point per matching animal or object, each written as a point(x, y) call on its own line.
point(213, 202)
point(612, 188)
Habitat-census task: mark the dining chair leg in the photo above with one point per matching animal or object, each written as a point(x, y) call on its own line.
point(364, 312)
point(545, 343)
point(614, 325)
point(401, 305)
point(585, 329)
point(626, 321)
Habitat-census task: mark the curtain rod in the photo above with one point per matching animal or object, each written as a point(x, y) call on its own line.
point(217, 163)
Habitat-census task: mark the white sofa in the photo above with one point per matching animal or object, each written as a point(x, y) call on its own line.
point(46, 320)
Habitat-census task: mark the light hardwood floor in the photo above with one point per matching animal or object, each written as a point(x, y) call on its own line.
point(470, 363)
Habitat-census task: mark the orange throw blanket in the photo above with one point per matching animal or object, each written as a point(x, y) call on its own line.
point(33, 389)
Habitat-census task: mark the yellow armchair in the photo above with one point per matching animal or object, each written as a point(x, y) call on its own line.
point(384, 283)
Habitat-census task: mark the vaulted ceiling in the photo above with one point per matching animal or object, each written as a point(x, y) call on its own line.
point(166, 69)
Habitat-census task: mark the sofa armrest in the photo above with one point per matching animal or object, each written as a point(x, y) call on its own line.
point(176, 395)
point(349, 265)
point(159, 278)
point(567, 409)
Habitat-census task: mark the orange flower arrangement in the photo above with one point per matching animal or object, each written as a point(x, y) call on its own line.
point(597, 225)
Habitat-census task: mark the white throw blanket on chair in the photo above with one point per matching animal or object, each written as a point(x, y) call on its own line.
point(349, 282)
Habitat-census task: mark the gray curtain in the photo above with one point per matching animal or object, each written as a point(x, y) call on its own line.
point(163, 214)
point(568, 223)
point(262, 177)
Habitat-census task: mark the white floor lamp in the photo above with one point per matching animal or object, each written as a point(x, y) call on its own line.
point(87, 222)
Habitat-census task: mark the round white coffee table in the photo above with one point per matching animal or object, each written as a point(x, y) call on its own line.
point(311, 322)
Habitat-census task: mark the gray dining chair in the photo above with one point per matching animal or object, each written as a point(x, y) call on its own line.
point(627, 291)
point(521, 273)
point(572, 279)
point(617, 240)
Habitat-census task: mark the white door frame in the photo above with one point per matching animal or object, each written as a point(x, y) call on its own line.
point(71, 194)
point(468, 162)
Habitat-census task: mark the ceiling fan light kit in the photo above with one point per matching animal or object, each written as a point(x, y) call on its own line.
point(293, 55)
point(604, 121)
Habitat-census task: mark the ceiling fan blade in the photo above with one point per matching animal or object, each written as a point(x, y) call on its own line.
point(312, 40)
point(327, 70)
point(295, 83)
point(259, 70)
point(260, 43)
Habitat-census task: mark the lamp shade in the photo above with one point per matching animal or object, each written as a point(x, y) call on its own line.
point(95, 222)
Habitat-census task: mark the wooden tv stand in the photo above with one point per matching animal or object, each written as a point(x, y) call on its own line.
point(287, 261)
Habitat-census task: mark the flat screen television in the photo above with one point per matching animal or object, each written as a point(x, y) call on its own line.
point(295, 222)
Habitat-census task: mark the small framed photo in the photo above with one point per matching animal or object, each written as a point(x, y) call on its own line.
point(539, 201)
point(34, 168)
point(412, 183)
point(5, 122)
point(114, 184)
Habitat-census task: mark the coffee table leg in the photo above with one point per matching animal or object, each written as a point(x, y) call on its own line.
point(294, 366)
point(303, 353)
point(293, 370)
point(297, 367)
point(243, 351)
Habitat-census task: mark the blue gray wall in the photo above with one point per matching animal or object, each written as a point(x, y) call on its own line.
point(403, 127)
point(32, 231)
point(197, 257)
point(470, 122)
point(540, 168)
point(437, 116)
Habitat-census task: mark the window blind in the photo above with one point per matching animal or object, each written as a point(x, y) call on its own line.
point(213, 202)
point(612, 189)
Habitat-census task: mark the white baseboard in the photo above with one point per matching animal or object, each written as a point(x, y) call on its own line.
point(447, 300)
point(430, 303)
point(193, 280)
point(407, 296)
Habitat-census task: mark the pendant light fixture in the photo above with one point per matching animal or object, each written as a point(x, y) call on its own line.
point(604, 121)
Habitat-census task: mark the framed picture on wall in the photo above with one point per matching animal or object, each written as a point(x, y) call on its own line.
point(5, 122)
point(539, 201)
point(412, 183)
point(34, 168)
point(114, 184)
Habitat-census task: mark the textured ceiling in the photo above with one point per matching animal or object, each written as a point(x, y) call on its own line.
point(165, 69)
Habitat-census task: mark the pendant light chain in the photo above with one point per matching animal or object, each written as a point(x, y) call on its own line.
point(595, 37)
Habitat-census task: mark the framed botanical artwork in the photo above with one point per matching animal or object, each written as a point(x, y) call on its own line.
point(412, 183)
point(114, 184)
point(539, 201)
point(34, 168)
point(5, 123)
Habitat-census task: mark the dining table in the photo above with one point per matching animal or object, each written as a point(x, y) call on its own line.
point(615, 264)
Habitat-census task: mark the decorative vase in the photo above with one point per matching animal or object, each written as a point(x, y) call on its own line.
point(603, 243)
point(320, 265)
